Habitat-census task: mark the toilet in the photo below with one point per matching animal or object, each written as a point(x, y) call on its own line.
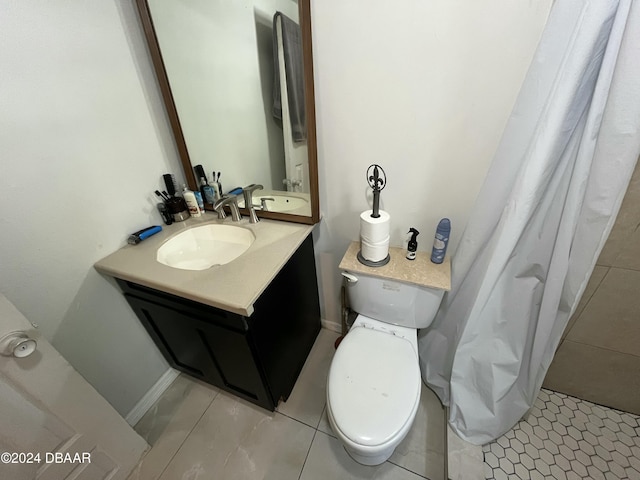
point(374, 382)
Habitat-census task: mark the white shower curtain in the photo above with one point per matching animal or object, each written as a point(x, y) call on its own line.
point(544, 212)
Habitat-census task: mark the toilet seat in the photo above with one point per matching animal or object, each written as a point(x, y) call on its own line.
point(373, 389)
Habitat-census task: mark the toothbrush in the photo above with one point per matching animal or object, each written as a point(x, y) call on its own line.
point(163, 197)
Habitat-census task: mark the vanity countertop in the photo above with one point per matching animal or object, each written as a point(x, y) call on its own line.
point(233, 287)
point(421, 271)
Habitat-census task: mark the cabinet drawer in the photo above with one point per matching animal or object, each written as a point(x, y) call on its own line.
point(207, 313)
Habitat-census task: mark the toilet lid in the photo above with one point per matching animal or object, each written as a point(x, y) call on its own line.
point(373, 385)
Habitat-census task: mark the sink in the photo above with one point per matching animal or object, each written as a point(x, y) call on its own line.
point(199, 248)
point(280, 203)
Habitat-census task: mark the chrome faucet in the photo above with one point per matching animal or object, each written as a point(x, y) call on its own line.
point(232, 201)
point(263, 202)
point(248, 201)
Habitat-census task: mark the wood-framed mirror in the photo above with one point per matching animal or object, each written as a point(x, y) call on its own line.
point(216, 69)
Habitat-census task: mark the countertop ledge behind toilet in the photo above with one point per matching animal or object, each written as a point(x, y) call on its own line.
point(421, 271)
point(233, 287)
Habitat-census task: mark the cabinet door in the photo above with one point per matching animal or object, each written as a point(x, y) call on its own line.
point(177, 338)
point(198, 347)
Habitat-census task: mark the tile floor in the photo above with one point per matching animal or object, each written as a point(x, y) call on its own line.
point(199, 432)
point(565, 438)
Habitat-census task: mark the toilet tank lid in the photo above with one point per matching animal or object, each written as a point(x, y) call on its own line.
point(373, 385)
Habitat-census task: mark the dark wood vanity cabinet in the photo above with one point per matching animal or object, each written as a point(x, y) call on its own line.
point(258, 357)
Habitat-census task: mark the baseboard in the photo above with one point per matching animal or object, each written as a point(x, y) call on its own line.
point(465, 461)
point(149, 398)
point(329, 325)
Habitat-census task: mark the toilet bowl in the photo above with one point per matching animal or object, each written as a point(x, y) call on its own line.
point(374, 382)
point(373, 389)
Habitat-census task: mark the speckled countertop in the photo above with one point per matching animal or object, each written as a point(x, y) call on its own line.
point(233, 287)
point(421, 271)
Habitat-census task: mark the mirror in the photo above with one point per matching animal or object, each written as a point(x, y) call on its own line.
point(221, 84)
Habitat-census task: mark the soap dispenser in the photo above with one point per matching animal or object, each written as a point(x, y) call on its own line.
point(413, 244)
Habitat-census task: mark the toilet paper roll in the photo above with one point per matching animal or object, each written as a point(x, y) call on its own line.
point(384, 241)
point(374, 253)
point(374, 230)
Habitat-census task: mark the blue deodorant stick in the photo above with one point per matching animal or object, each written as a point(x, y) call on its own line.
point(441, 241)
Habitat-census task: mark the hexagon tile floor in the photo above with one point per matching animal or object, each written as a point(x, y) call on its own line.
point(566, 438)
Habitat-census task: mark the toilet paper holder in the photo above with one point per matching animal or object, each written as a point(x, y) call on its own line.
point(17, 344)
point(377, 180)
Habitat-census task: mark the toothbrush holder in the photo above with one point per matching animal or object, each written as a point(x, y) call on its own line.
point(177, 207)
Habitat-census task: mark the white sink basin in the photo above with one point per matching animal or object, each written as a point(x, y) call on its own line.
point(199, 248)
point(280, 203)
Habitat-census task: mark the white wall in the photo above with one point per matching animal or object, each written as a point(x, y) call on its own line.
point(423, 89)
point(83, 144)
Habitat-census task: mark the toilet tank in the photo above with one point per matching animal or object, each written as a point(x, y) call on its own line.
point(392, 302)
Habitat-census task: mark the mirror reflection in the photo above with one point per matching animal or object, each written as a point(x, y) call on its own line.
point(236, 74)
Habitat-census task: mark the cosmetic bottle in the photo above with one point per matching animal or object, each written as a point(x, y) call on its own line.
point(207, 190)
point(201, 178)
point(200, 200)
point(192, 203)
point(441, 241)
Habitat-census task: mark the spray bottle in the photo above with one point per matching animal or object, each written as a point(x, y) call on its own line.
point(413, 244)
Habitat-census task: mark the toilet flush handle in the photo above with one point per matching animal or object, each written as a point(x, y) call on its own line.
point(350, 277)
